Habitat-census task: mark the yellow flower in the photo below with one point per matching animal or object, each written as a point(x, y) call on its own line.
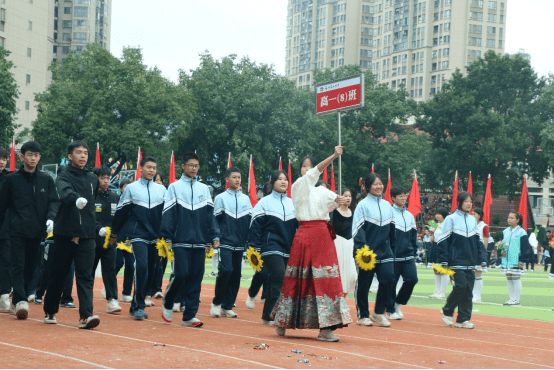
point(209, 254)
point(124, 247)
point(255, 259)
point(51, 235)
point(163, 250)
point(108, 236)
point(365, 258)
point(443, 270)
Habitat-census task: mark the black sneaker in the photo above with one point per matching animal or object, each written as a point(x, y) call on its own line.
point(68, 305)
point(144, 314)
point(38, 300)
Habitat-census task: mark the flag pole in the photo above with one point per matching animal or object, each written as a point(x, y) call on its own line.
point(340, 157)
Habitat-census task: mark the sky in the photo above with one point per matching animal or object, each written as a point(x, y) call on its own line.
point(172, 33)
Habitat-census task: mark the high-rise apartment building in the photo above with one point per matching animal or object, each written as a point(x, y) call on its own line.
point(81, 22)
point(415, 43)
point(26, 30)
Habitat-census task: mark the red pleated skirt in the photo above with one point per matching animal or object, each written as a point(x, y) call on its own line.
point(312, 297)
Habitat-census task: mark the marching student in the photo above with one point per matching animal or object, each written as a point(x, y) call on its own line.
point(233, 212)
point(155, 290)
point(272, 231)
point(139, 215)
point(460, 246)
point(404, 254)
point(189, 228)
point(484, 233)
point(105, 206)
point(5, 279)
point(344, 244)
point(32, 201)
point(125, 258)
point(518, 252)
point(374, 227)
point(441, 280)
point(74, 237)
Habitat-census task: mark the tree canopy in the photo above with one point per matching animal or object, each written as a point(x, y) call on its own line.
point(8, 97)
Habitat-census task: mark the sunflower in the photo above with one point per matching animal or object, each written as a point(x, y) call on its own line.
point(443, 270)
point(209, 254)
point(365, 258)
point(124, 247)
point(163, 250)
point(255, 259)
point(108, 236)
point(551, 243)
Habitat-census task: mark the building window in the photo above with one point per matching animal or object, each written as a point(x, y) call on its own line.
point(30, 1)
point(55, 36)
point(66, 49)
point(67, 24)
point(491, 17)
point(80, 11)
point(2, 42)
point(29, 52)
point(67, 10)
point(493, 5)
point(490, 43)
point(67, 37)
point(445, 52)
point(80, 37)
point(445, 64)
point(55, 49)
point(30, 27)
point(28, 79)
point(491, 30)
point(27, 105)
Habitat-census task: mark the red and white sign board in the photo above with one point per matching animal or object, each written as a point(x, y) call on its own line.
point(340, 95)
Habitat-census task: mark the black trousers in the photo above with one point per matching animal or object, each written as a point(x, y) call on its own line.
point(107, 258)
point(127, 259)
point(408, 271)
point(42, 280)
point(227, 283)
point(25, 257)
point(461, 295)
point(5, 267)
point(276, 266)
point(62, 253)
point(385, 275)
point(145, 261)
point(258, 280)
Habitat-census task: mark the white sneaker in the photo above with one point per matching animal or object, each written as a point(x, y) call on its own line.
point(394, 316)
point(167, 314)
point(448, 320)
point(31, 298)
point(5, 304)
point(366, 321)
point(398, 310)
point(176, 307)
point(281, 331)
point(373, 289)
point(229, 313)
point(516, 303)
point(265, 322)
point(434, 295)
point(22, 310)
point(508, 303)
point(126, 299)
point(262, 301)
point(327, 336)
point(104, 292)
point(464, 325)
point(380, 319)
point(192, 323)
point(158, 295)
point(50, 319)
point(113, 306)
point(251, 302)
point(216, 310)
point(148, 302)
point(476, 299)
point(440, 295)
point(182, 308)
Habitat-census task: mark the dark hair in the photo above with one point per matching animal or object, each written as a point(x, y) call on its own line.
point(518, 216)
point(230, 170)
point(266, 190)
point(31, 146)
point(462, 198)
point(312, 160)
point(370, 179)
point(158, 174)
point(397, 190)
point(102, 171)
point(479, 211)
point(344, 190)
point(124, 182)
point(4, 153)
point(188, 156)
point(75, 144)
point(442, 211)
point(147, 159)
point(321, 182)
point(275, 176)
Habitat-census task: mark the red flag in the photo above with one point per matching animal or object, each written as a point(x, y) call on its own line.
point(139, 158)
point(12, 157)
point(252, 184)
point(229, 165)
point(325, 179)
point(487, 203)
point(387, 191)
point(289, 190)
point(280, 164)
point(333, 187)
point(523, 204)
point(414, 202)
point(361, 184)
point(455, 195)
point(372, 168)
point(97, 162)
point(172, 168)
point(470, 185)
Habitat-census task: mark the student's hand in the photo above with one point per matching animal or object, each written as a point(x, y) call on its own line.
point(49, 226)
point(75, 240)
point(112, 240)
point(103, 232)
point(81, 203)
point(483, 264)
point(503, 253)
point(169, 245)
point(338, 151)
point(520, 265)
point(340, 200)
point(215, 244)
point(128, 242)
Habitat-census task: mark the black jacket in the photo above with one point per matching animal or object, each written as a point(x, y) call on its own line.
point(4, 229)
point(73, 183)
point(105, 205)
point(31, 199)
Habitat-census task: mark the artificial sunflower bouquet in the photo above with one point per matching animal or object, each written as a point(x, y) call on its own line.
point(443, 270)
point(365, 258)
point(209, 254)
point(254, 259)
point(163, 250)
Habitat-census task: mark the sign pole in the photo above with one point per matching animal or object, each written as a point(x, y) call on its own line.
point(340, 157)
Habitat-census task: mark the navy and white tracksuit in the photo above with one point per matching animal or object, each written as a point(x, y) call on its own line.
point(272, 231)
point(373, 225)
point(461, 247)
point(233, 212)
point(404, 260)
point(189, 223)
point(139, 212)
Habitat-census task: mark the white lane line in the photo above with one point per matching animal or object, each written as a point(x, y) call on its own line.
point(55, 354)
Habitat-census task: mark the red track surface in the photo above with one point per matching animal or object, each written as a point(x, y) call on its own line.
point(421, 340)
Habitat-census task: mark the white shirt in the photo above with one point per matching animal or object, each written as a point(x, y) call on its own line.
point(312, 203)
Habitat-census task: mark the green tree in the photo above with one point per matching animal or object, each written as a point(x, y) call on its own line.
point(547, 112)
point(487, 122)
point(8, 96)
point(119, 103)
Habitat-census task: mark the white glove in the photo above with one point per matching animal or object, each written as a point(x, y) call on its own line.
point(81, 203)
point(103, 232)
point(49, 226)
